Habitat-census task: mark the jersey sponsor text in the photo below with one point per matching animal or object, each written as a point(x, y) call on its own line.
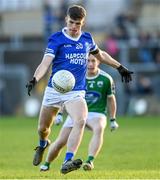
point(76, 58)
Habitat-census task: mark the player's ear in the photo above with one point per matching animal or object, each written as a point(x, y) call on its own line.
point(66, 18)
point(83, 22)
point(98, 62)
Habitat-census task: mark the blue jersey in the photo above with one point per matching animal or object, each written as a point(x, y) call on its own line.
point(70, 54)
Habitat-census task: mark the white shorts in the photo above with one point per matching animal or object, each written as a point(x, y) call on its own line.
point(56, 99)
point(69, 122)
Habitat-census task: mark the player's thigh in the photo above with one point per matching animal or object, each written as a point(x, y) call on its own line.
point(97, 123)
point(77, 109)
point(47, 115)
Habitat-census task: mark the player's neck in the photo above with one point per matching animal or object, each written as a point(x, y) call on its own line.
point(92, 74)
point(72, 35)
point(68, 35)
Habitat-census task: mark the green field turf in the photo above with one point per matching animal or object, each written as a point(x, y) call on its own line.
point(133, 151)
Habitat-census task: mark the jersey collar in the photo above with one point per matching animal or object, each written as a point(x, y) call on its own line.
point(93, 77)
point(69, 37)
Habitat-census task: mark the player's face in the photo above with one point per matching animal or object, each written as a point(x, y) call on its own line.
point(93, 64)
point(74, 26)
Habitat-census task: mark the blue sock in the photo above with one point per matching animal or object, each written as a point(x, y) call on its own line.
point(43, 143)
point(69, 156)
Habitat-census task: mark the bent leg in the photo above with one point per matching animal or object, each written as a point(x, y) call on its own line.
point(47, 115)
point(45, 122)
point(97, 126)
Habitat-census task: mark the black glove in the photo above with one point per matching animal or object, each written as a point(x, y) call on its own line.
point(30, 85)
point(125, 74)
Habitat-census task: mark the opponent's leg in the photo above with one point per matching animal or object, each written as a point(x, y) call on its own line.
point(97, 126)
point(56, 147)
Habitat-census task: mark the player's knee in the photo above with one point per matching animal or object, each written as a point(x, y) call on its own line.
point(80, 122)
point(42, 129)
point(99, 129)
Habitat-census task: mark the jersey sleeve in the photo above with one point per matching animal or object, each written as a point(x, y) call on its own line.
point(93, 47)
point(52, 47)
point(91, 43)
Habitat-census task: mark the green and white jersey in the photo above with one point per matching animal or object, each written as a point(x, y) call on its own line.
point(98, 88)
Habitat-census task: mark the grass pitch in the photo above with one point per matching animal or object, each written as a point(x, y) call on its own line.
point(132, 152)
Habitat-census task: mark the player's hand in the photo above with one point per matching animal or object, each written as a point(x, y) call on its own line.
point(125, 74)
point(30, 85)
point(59, 119)
point(113, 124)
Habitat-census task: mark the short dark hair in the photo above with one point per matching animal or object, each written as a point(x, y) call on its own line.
point(76, 12)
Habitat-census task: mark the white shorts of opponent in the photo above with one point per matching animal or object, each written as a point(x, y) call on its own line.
point(52, 98)
point(69, 122)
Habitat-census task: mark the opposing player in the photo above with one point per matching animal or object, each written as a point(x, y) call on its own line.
point(100, 90)
point(68, 49)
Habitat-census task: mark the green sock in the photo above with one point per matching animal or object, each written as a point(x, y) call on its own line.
point(90, 158)
point(47, 164)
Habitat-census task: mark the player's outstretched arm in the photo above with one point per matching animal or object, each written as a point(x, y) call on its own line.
point(30, 85)
point(107, 59)
point(39, 73)
point(43, 67)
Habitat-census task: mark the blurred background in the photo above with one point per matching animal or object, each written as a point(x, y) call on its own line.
point(129, 30)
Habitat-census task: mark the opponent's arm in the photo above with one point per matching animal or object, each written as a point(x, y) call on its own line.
point(40, 72)
point(107, 59)
point(112, 106)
